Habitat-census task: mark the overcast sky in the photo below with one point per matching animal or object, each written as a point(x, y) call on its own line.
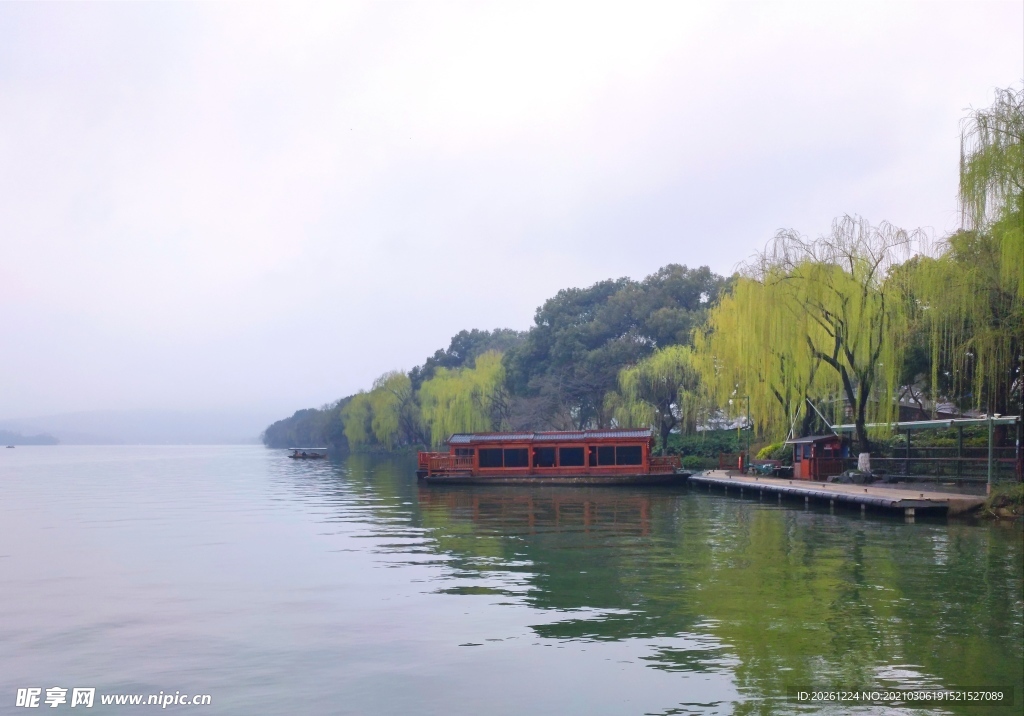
point(214, 207)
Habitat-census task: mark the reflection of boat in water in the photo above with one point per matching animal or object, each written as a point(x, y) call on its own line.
point(308, 453)
point(583, 457)
point(618, 511)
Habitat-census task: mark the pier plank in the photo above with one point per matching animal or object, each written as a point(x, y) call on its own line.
point(890, 498)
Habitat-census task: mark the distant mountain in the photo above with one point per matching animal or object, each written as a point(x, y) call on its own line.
point(146, 427)
point(8, 437)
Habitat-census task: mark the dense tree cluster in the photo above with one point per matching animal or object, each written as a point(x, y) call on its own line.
point(814, 320)
point(310, 427)
point(582, 338)
point(859, 319)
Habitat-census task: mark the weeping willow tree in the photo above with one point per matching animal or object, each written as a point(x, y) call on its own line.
point(812, 319)
point(387, 415)
point(992, 178)
point(973, 292)
point(357, 416)
point(750, 346)
point(663, 391)
point(395, 414)
point(462, 399)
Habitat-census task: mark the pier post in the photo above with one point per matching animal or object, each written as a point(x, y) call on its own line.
point(863, 509)
point(807, 501)
point(908, 514)
point(780, 497)
point(988, 486)
point(959, 452)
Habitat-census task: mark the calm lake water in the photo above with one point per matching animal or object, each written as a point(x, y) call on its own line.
point(279, 586)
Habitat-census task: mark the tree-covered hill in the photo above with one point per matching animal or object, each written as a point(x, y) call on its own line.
point(555, 375)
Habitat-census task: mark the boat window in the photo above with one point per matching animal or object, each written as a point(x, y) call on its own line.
point(592, 456)
point(570, 457)
point(796, 454)
point(628, 455)
point(807, 451)
point(606, 455)
point(517, 457)
point(463, 452)
point(544, 457)
point(490, 457)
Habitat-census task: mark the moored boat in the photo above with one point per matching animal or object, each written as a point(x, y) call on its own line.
point(583, 457)
point(308, 453)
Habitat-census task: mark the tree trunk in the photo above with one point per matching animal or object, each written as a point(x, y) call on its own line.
point(861, 423)
point(805, 426)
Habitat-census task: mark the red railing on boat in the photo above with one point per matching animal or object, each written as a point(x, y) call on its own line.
point(423, 459)
point(435, 462)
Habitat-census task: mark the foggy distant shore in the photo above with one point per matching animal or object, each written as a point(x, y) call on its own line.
point(141, 427)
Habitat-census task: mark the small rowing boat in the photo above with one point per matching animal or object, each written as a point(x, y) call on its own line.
point(308, 453)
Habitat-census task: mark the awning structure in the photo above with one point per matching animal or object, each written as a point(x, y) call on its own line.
point(935, 424)
point(989, 422)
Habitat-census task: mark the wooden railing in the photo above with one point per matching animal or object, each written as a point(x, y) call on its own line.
point(827, 468)
point(665, 463)
point(423, 459)
point(445, 462)
point(968, 469)
point(729, 460)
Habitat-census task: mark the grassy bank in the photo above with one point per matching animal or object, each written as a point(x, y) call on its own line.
point(1005, 501)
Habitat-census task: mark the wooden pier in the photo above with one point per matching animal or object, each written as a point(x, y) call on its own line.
point(907, 501)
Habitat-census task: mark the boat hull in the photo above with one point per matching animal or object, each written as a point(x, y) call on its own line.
point(671, 478)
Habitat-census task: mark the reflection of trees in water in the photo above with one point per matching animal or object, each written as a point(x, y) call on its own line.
point(797, 598)
point(779, 598)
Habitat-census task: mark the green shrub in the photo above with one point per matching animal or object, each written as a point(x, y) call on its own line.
point(774, 451)
point(1008, 497)
point(707, 443)
point(696, 462)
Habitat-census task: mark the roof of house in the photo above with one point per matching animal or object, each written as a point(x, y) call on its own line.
point(568, 436)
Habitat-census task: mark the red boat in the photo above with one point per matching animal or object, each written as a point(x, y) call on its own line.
point(584, 457)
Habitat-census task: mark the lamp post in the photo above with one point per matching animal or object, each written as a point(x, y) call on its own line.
point(746, 453)
point(746, 460)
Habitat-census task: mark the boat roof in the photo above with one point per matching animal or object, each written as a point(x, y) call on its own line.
point(812, 439)
point(560, 436)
